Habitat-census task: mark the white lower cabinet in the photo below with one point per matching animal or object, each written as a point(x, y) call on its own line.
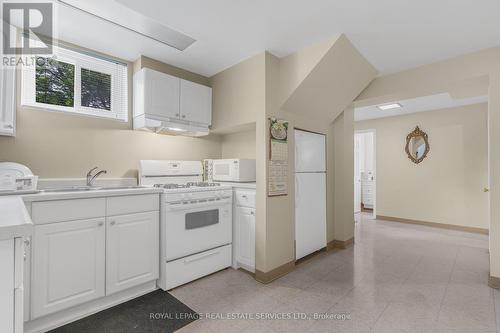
point(68, 265)
point(132, 255)
point(245, 224)
point(77, 259)
point(11, 285)
point(244, 229)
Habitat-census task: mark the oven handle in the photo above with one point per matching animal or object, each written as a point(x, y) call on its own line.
point(201, 256)
point(178, 205)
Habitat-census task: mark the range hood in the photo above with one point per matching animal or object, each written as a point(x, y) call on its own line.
point(172, 127)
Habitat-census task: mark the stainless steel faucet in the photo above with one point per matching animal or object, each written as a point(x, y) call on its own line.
point(91, 178)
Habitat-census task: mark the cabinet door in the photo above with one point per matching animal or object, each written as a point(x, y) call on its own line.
point(132, 250)
point(7, 101)
point(68, 265)
point(7, 286)
point(162, 95)
point(196, 102)
point(245, 223)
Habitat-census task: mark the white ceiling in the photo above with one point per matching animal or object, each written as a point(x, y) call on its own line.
point(392, 34)
point(419, 104)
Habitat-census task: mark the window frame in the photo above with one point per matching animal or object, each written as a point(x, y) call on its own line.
point(118, 90)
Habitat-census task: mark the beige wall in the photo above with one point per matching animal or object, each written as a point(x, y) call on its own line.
point(341, 221)
point(277, 246)
point(238, 145)
point(57, 145)
point(238, 114)
point(238, 95)
point(171, 70)
point(447, 187)
point(340, 74)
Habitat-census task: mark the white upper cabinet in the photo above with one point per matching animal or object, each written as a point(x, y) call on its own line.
point(162, 100)
point(7, 100)
point(196, 102)
point(161, 94)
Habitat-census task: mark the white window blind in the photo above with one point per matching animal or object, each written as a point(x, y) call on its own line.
point(76, 82)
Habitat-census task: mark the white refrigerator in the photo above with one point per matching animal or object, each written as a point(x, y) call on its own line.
point(310, 193)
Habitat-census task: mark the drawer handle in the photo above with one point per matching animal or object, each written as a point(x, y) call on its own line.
point(244, 196)
point(112, 222)
point(252, 213)
point(188, 260)
point(100, 224)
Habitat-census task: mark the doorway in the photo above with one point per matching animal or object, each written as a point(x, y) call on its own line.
point(365, 172)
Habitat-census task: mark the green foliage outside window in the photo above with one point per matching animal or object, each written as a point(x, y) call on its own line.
point(55, 85)
point(96, 90)
point(55, 82)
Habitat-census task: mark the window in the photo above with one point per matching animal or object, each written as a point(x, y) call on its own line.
point(54, 82)
point(78, 83)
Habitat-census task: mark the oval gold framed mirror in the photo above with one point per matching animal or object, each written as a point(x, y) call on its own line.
point(417, 145)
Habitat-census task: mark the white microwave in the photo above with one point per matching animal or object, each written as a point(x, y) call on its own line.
point(233, 170)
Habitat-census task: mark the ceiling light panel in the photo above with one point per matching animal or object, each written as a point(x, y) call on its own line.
point(389, 106)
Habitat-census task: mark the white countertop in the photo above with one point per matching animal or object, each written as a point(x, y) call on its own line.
point(251, 185)
point(14, 218)
point(45, 196)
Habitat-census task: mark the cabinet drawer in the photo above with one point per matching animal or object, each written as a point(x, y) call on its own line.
point(244, 198)
point(190, 268)
point(67, 210)
point(132, 204)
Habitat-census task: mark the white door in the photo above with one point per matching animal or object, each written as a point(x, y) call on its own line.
point(132, 256)
point(245, 225)
point(68, 265)
point(162, 94)
point(310, 213)
point(310, 152)
point(357, 174)
point(196, 102)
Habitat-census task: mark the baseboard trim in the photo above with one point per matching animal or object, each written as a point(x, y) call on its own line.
point(434, 224)
point(494, 282)
point(338, 244)
point(266, 277)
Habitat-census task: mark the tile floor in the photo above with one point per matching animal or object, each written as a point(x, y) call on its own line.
point(396, 278)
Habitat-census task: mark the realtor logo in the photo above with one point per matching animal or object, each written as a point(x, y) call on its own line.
point(36, 21)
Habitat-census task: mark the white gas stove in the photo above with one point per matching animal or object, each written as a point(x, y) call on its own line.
point(196, 221)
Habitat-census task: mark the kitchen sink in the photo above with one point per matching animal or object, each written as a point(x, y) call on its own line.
point(90, 188)
point(73, 189)
point(120, 187)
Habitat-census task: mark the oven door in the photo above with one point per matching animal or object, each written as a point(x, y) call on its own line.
point(196, 227)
